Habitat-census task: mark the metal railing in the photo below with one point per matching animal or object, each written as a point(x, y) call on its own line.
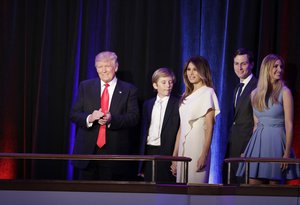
point(247, 161)
point(153, 158)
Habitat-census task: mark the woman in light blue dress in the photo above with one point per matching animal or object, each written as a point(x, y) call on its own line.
point(273, 111)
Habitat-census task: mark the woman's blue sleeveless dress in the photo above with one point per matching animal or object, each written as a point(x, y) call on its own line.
point(269, 140)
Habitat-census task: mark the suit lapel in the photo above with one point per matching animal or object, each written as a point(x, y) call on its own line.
point(97, 95)
point(149, 111)
point(168, 112)
point(117, 96)
point(244, 94)
point(247, 91)
point(148, 117)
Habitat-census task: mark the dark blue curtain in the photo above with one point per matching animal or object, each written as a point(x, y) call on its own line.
point(204, 33)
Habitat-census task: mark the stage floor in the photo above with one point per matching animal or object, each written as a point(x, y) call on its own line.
point(15, 192)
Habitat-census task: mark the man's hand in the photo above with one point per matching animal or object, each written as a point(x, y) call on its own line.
point(105, 119)
point(96, 115)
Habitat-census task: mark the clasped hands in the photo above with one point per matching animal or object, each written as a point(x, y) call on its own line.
point(102, 117)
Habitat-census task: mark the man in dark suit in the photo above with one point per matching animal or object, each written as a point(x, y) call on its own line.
point(160, 124)
point(242, 125)
point(115, 115)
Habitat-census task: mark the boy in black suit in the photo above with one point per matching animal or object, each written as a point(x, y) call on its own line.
point(160, 122)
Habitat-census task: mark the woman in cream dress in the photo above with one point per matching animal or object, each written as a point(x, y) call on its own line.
point(198, 109)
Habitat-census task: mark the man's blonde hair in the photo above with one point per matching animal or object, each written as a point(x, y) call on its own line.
point(107, 56)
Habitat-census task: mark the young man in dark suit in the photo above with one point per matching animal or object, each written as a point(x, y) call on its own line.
point(105, 110)
point(160, 122)
point(242, 125)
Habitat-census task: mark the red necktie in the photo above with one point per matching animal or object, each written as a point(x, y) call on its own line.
point(104, 108)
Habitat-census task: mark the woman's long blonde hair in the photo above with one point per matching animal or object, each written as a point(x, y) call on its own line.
point(265, 88)
point(204, 71)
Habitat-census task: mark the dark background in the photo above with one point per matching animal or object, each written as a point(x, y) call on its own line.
point(48, 46)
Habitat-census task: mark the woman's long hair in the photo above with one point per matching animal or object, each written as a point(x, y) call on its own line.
point(203, 70)
point(265, 88)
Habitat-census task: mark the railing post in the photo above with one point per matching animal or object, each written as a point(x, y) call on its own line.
point(247, 173)
point(228, 173)
point(186, 172)
point(153, 170)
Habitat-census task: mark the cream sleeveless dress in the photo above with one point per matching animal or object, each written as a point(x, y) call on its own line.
point(192, 120)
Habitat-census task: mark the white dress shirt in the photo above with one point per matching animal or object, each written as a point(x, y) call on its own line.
point(157, 117)
point(246, 81)
point(111, 89)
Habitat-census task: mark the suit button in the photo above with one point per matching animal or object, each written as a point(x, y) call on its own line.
point(233, 123)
